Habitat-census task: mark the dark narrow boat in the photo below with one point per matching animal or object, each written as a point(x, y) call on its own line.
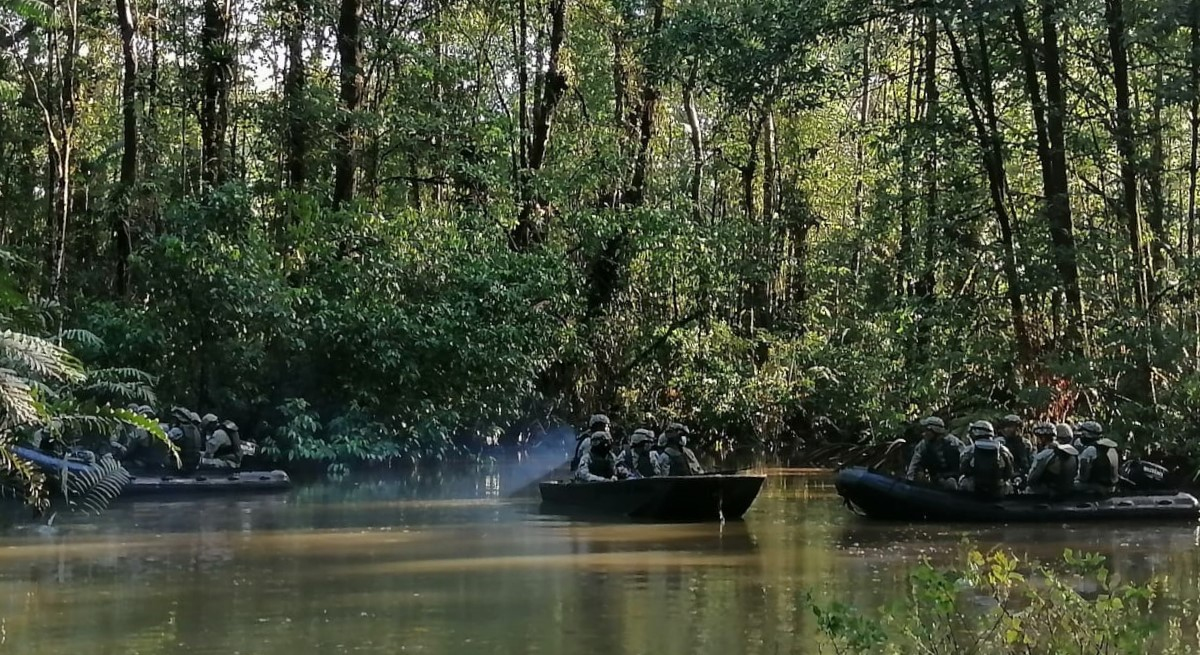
point(693, 498)
point(216, 481)
point(881, 496)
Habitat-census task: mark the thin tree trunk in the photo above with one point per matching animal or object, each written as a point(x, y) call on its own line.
point(294, 83)
point(905, 255)
point(349, 45)
point(1115, 19)
point(864, 107)
point(125, 206)
point(1156, 217)
point(696, 139)
point(927, 287)
point(1194, 137)
point(987, 132)
point(214, 107)
point(530, 229)
point(1058, 199)
point(59, 115)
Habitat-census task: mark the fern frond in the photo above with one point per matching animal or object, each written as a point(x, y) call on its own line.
point(118, 391)
point(39, 356)
point(17, 404)
point(82, 337)
point(22, 479)
point(94, 490)
point(122, 375)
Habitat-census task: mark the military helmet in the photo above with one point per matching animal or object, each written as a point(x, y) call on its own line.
point(147, 411)
point(175, 433)
point(933, 424)
point(677, 428)
point(229, 425)
point(600, 437)
point(1106, 442)
point(1064, 433)
point(641, 436)
point(982, 429)
point(181, 414)
point(209, 418)
point(1045, 429)
point(1011, 419)
point(1089, 430)
point(599, 419)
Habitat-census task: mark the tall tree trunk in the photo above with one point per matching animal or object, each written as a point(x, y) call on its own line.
point(150, 119)
point(214, 104)
point(530, 229)
point(906, 253)
point(696, 139)
point(59, 115)
point(1156, 216)
point(1115, 18)
point(927, 287)
point(1194, 136)
point(1058, 198)
point(987, 132)
point(125, 205)
point(349, 46)
point(864, 107)
point(295, 81)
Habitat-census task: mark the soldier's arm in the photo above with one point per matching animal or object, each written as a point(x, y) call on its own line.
point(914, 466)
point(582, 473)
point(1037, 469)
point(1085, 467)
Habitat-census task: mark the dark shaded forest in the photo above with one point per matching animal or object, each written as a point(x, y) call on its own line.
point(373, 228)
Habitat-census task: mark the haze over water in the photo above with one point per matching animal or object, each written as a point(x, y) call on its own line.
point(446, 565)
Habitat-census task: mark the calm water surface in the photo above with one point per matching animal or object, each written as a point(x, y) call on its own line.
point(448, 566)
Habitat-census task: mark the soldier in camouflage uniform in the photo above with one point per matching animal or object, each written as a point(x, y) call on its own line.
point(597, 423)
point(1099, 463)
point(223, 448)
point(597, 464)
point(1054, 466)
point(986, 464)
point(676, 458)
point(936, 457)
point(1021, 448)
point(637, 460)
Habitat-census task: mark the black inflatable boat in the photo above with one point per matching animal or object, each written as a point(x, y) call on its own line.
point(693, 498)
point(881, 496)
point(142, 484)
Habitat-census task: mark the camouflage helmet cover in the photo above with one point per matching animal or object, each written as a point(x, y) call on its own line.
point(1011, 419)
point(229, 425)
point(641, 436)
point(599, 419)
point(209, 418)
point(1106, 442)
point(982, 428)
point(933, 424)
point(1092, 428)
point(600, 437)
point(1045, 429)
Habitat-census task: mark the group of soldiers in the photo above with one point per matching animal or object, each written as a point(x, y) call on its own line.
point(1001, 461)
point(644, 456)
point(201, 441)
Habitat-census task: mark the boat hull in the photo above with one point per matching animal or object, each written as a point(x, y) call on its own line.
point(203, 482)
point(692, 498)
point(883, 497)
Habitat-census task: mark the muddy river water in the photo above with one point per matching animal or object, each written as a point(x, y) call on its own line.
point(453, 566)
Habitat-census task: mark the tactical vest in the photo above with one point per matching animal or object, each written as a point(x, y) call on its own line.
point(1059, 474)
point(1103, 472)
point(601, 466)
point(639, 463)
point(678, 462)
point(1022, 458)
point(943, 460)
point(190, 448)
point(230, 450)
point(985, 469)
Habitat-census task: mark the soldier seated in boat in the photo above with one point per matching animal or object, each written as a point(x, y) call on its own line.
point(936, 457)
point(676, 458)
point(1099, 463)
point(637, 460)
point(1021, 448)
point(223, 448)
point(597, 463)
point(986, 464)
point(597, 423)
point(1054, 467)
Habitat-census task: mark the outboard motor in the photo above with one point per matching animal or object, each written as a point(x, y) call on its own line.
point(1143, 475)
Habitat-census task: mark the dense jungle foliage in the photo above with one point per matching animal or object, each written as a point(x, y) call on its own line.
point(378, 228)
